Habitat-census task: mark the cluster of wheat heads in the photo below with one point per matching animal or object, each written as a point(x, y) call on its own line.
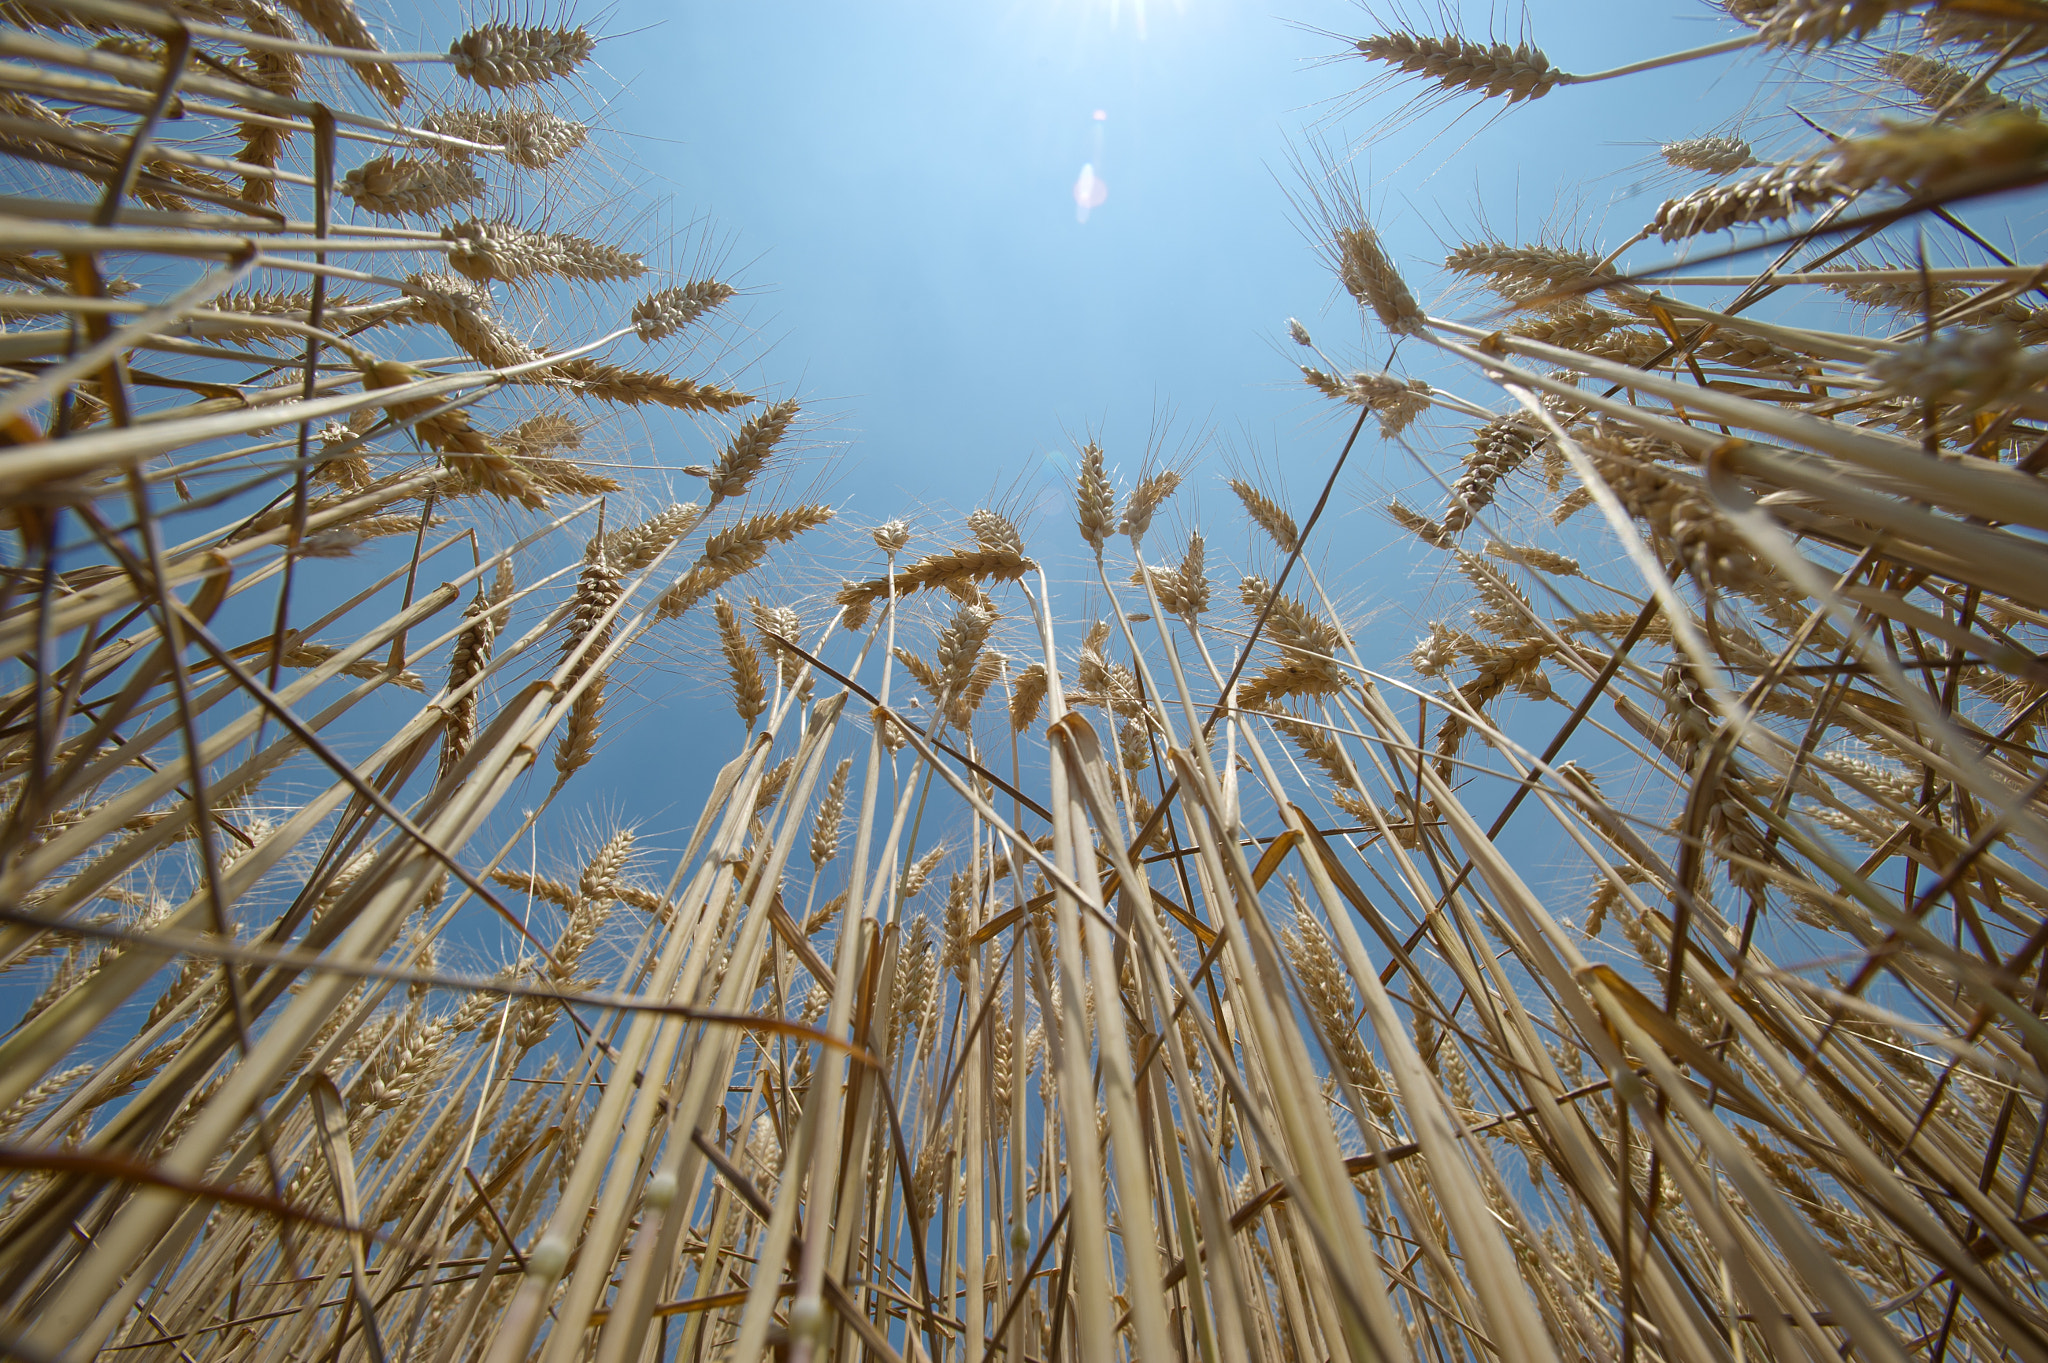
point(1761, 482)
point(323, 543)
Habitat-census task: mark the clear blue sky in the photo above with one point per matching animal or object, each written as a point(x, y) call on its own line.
point(896, 177)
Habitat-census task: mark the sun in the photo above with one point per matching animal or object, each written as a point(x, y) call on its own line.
point(1136, 15)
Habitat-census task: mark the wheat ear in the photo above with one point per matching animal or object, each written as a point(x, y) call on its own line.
point(742, 662)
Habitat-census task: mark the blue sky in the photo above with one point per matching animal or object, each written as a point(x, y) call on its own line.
point(895, 177)
point(893, 181)
point(899, 178)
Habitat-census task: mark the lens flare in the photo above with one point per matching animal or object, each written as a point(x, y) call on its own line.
point(1089, 192)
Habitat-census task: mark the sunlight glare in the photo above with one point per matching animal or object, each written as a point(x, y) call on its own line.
point(1089, 193)
point(1140, 12)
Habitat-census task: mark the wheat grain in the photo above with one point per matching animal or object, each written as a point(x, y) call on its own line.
point(39, 1096)
point(1770, 196)
point(338, 22)
point(500, 251)
point(1990, 30)
point(397, 1066)
point(1134, 745)
point(973, 693)
point(1499, 668)
point(1110, 685)
point(542, 434)
point(1535, 268)
point(1507, 607)
point(1717, 154)
point(1935, 158)
point(891, 536)
point(600, 878)
point(1002, 1070)
point(747, 453)
point(1318, 745)
point(1915, 299)
point(742, 662)
point(635, 547)
point(1816, 23)
point(1542, 560)
point(397, 186)
point(831, 814)
point(1750, 352)
point(1307, 647)
point(664, 313)
point(1979, 368)
point(764, 1155)
point(1635, 348)
point(821, 920)
point(533, 139)
point(1094, 499)
point(1459, 66)
point(590, 623)
point(1680, 518)
point(916, 977)
point(1572, 330)
point(1026, 696)
point(1184, 588)
point(304, 655)
point(1942, 87)
point(958, 571)
point(480, 468)
point(919, 873)
point(462, 309)
point(1146, 499)
point(586, 918)
point(1397, 401)
point(778, 628)
point(637, 387)
point(1440, 650)
point(294, 305)
point(959, 650)
point(736, 550)
point(503, 584)
point(924, 674)
point(1498, 449)
point(1268, 515)
point(994, 533)
point(541, 887)
point(1333, 1005)
point(1369, 274)
point(368, 528)
point(506, 56)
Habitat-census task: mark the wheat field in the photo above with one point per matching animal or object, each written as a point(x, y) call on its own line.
point(1645, 963)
